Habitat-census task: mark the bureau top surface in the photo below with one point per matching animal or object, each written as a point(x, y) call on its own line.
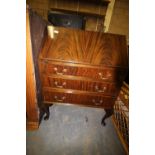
point(88, 47)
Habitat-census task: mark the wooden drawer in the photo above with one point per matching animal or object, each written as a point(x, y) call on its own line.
point(105, 88)
point(80, 99)
point(103, 74)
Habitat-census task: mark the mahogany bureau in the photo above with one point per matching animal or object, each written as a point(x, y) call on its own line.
point(80, 67)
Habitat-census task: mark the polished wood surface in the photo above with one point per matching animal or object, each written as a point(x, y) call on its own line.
point(72, 91)
point(81, 98)
point(36, 34)
point(102, 73)
point(105, 88)
point(83, 68)
point(86, 47)
point(31, 96)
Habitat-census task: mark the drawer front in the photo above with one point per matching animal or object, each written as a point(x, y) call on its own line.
point(105, 74)
point(80, 99)
point(105, 88)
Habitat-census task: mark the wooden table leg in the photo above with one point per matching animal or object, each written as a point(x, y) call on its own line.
point(109, 112)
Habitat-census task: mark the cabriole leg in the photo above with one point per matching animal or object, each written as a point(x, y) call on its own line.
point(108, 113)
point(44, 110)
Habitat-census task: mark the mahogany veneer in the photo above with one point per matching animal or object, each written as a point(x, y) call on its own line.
point(83, 68)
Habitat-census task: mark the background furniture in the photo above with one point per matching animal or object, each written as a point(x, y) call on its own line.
point(66, 20)
point(35, 32)
point(31, 104)
point(94, 11)
point(121, 116)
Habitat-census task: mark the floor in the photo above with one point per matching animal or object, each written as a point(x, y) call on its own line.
point(74, 130)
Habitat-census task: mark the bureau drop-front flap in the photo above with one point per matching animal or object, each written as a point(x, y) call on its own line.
point(87, 47)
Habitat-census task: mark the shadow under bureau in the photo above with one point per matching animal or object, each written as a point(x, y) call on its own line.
point(84, 68)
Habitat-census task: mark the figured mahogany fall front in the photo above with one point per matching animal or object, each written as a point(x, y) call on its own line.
point(83, 67)
point(89, 47)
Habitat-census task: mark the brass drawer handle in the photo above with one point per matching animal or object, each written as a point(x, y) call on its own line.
point(102, 76)
point(97, 103)
point(59, 86)
point(60, 73)
point(59, 100)
point(100, 90)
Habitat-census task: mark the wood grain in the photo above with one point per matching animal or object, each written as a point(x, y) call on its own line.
point(54, 96)
point(86, 46)
point(76, 66)
point(103, 73)
point(84, 85)
point(31, 96)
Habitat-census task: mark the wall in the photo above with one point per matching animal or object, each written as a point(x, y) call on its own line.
point(94, 22)
point(119, 23)
point(40, 6)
